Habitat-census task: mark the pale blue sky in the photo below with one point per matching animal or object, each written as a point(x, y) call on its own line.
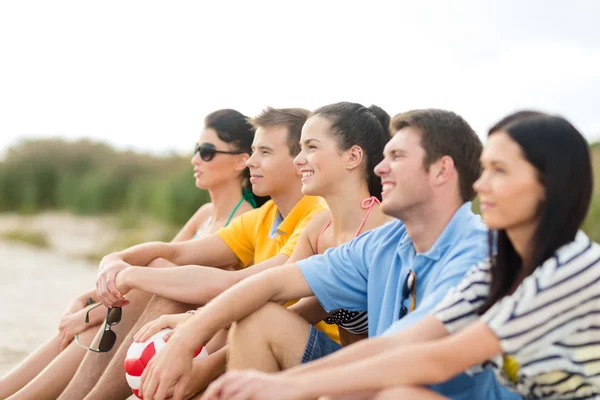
point(142, 74)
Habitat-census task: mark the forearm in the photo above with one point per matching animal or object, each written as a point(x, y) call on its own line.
point(416, 366)
point(428, 329)
point(347, 355)
point(142, 254)
point(187, 284)
point(280, 284)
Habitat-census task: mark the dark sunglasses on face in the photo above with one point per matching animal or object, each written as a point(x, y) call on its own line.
point(408, 288)
point(109, 338)
point(207, 151)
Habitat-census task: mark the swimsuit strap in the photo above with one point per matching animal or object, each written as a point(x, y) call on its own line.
point(234, 210)
point(367, 204)
point(321, 234)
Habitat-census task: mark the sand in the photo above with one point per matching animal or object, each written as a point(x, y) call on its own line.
point(36, 285)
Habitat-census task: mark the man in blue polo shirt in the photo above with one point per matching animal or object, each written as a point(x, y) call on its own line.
point(397, 273)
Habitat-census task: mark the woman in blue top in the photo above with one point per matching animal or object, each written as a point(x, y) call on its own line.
point(219, 167)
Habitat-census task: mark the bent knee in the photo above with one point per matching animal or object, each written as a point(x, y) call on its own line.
point(260, 318)
point(161, 263)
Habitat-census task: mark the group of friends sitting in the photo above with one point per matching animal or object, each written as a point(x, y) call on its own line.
point(340, 259)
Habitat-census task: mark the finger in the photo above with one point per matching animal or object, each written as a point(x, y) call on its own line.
point(168, 335)
point(112, 285)
point(165, 381)
point(224, 388)
point(234, 387)
point(109, 299)
point(140, 333)
point(151, 383)
point(180, 388)
point(213, 391)
point(149, 330)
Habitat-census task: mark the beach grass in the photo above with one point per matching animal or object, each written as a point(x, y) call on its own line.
point(33, 238)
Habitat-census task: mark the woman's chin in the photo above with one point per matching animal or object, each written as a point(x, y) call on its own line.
point(308, 190)
point(200, 185)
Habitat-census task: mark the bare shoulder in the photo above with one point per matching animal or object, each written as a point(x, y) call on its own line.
point(202, 214)
point(316, 224)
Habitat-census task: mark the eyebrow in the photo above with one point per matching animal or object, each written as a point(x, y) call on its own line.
point(394, 151)
point(261, 147)
point(307, 141)
point(493, 162)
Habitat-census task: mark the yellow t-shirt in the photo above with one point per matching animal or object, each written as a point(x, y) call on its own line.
point(255, 237)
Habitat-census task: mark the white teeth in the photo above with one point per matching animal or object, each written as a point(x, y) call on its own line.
point(387, 186)
point(307, 173)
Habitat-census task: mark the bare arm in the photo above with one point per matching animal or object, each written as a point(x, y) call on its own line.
point(428, 329)
point(191, 226)
point(431, 362)
point(278, 284)
point(310, 309)
point(189, 284)
point(210, 250)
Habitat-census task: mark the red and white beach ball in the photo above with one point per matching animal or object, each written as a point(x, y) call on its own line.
point(140, 354)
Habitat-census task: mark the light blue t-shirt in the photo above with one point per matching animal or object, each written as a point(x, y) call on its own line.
point(368, 273)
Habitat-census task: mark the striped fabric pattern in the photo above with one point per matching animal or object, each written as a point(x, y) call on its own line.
point(356, 322)
point(549, 328)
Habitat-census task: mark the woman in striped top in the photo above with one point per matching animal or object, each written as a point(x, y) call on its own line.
point(532, 310)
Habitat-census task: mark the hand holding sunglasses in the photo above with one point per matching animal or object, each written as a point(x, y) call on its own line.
point(108, 338)
point(207, 151)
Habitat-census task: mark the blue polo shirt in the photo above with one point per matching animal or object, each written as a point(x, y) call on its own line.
point(368, 273)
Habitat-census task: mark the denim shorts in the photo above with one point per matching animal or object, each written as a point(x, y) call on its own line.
point(318, 345)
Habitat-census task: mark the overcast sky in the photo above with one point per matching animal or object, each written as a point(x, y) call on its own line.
point(142, 74)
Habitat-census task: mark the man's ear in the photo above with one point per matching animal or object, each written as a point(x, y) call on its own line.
point(442, 170)
point(355, 155)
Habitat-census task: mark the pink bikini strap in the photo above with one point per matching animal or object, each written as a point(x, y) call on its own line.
point(367, 204)
point(321, 234)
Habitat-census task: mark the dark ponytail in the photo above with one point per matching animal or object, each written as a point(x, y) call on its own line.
point(354, 124)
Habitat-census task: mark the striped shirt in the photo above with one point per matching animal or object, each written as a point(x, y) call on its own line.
point(549, 328)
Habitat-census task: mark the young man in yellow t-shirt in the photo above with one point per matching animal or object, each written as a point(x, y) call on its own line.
point(264, 237)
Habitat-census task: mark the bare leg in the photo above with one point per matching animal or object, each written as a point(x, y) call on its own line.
point(112, 383)
point(50, 383)
point(29, 368)
point(400, 393)
point(416, 393)
point(270, 339)
point(93, 364)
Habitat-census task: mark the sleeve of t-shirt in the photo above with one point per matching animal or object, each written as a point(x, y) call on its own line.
point(452, 274)
point(549, 305)
point(290, 244)
point(239, 235)
point(338, 278)
point(459, 308)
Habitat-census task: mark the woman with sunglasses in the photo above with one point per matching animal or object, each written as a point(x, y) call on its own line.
point(219, 167)
point(340, 145)
point(529, 312)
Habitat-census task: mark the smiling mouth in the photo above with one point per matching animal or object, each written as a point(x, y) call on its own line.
point(306, 174)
